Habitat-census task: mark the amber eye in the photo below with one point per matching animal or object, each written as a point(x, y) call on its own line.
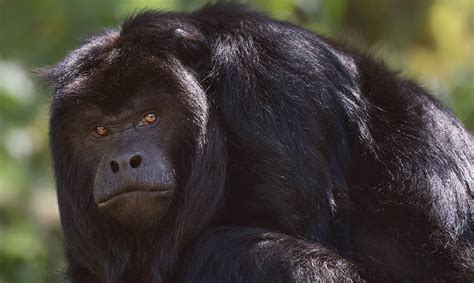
point(100, 131)
point(148, 119)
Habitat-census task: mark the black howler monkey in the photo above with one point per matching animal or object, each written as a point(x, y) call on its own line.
point(224, 146)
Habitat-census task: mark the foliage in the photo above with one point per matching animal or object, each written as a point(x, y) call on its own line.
point(431, 40)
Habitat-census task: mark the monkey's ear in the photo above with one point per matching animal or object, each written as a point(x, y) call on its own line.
point(191, 47)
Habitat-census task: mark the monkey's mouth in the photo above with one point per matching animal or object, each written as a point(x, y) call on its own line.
point(135, 193)
point(136, 207)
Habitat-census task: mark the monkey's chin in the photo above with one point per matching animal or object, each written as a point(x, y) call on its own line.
point(137, 208)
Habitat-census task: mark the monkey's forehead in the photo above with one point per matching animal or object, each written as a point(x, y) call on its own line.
point(111, 71)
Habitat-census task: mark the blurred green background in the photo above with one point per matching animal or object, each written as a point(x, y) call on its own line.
point(429, 40)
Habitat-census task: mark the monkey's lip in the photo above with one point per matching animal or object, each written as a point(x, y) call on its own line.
point(137, 193)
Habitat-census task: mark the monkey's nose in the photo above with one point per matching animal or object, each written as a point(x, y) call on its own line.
point(134, 162)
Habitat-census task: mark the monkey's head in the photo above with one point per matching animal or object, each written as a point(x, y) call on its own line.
point(127, 119)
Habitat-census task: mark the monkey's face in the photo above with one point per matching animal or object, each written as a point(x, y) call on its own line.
point(134, 180)
point(134, 132)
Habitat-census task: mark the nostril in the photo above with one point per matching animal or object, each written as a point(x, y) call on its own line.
point(135, 161)
point(114, 166)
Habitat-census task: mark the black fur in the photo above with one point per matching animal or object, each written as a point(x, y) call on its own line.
point(297, 158)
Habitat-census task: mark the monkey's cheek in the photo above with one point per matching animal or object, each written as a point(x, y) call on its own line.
point(137, 208)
